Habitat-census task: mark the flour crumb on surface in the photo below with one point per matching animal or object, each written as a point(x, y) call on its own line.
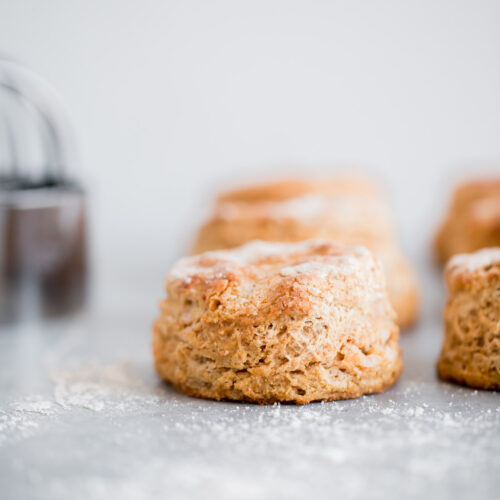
point(97, 386)
point(175, 446)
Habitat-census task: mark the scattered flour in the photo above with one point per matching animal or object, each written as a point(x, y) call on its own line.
point(20, 421)
point(35, 406)
point(91, 386)
point(175, 447)
point(18, 425)
point(95, 387)
point(292, 452)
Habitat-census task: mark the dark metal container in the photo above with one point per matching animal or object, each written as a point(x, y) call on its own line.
point(43, 227)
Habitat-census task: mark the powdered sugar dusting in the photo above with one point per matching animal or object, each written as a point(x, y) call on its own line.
point(474, 261)
point(345, 209)
point(216, 263)
point(337, 265)
point(303, 207)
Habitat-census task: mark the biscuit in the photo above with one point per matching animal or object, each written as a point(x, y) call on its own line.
point(349, 210)
point(473, 219)
point(471, 349)
point(278, 322)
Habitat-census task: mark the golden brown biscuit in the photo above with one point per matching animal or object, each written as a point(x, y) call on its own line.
point(349, 210)
point(268, 322)
point(473, 220)
point(471, 350)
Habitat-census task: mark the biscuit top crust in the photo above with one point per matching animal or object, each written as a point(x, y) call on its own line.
point(285, 189)
point(465, 267)
point(346, 209)
point(486, 210)
point(268, 279)
point(312, 256)
point(348, 204)
point(475, 189)
point(474, 261)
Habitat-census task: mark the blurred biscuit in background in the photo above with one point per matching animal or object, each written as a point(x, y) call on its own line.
point(472, 221)
point(348, 209)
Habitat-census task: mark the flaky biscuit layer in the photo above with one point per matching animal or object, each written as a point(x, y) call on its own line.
point(471, 349)
point(278, 322)
point(473, 219)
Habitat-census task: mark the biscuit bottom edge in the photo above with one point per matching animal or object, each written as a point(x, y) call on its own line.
point(375, 385)
point(466, 377)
